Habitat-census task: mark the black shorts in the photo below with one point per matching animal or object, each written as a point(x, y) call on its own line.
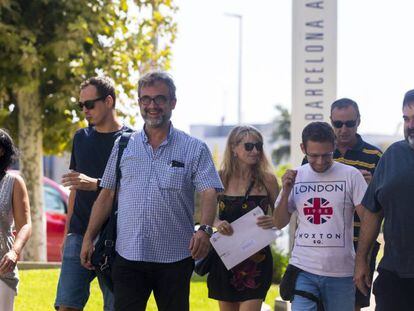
point(360, 299)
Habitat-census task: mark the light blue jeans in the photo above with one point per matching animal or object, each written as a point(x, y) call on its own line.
point(337, 293)
point(74, 280)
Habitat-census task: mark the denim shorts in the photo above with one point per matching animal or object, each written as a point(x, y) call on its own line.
point(74, 280)
point(336, 293)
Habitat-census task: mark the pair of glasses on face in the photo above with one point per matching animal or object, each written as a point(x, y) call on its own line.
point(324, 156)
point(348, 124)
point(159, 100)
point(250, 146)
point(90, 104)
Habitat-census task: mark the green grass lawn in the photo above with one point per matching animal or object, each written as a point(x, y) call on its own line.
point(37, 292)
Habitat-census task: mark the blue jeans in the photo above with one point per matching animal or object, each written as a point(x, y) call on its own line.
point(336, 293)
point(74, 280)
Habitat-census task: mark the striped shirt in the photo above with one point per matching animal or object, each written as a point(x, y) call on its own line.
point(156, 196)
point(362, 156)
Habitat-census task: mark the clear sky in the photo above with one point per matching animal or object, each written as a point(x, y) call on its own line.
point(375, 60)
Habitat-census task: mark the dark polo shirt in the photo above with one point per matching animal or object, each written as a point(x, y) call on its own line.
point(362, 156)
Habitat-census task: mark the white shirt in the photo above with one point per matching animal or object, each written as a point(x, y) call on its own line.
point(325, 203)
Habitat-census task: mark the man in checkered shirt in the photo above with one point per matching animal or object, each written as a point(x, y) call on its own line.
point(161, 168)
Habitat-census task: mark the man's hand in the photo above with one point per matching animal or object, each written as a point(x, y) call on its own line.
point(78, 181)
point(86, 253)
point(362, 277)
point(367, 175)
point(288, 180)
point(8, 262)
point(62, 247)
point(199, 245)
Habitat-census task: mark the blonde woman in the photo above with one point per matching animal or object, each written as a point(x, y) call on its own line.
point(14, 215)
point(248, 182)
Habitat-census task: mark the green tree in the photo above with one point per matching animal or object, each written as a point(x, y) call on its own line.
point(47, 48)
point(281, 134)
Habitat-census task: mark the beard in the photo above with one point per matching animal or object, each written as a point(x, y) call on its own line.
point(409, 137)
point(158, 122)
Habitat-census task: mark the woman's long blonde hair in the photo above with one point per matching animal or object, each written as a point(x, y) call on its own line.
point(229, 166)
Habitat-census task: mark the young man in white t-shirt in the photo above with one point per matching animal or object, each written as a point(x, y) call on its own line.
point(325, 194)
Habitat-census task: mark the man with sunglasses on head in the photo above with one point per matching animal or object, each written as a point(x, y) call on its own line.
point(390, 198)
point(161, 168)
point(90, 152)
point(352, 150)
point(325, 195)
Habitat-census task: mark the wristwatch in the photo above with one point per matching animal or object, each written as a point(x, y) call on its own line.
point(98, 184)
point(207, 229)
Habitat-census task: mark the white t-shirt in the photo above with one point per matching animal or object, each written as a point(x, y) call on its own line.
point(325, 204)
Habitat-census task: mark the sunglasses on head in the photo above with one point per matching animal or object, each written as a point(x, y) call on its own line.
point(90, 104)
point(250, 146)
point(349, 123)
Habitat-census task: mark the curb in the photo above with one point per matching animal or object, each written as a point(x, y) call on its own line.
point(30, 265)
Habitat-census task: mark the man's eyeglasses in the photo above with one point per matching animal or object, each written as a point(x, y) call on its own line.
point(159, 100)
point(90, 104)
point(324, 156)
point(349, 123)
point(250, 146)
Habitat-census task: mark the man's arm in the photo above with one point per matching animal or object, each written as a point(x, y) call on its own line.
point(281, 214)
point(100, 212)
point(359, 209)
point(370, 226)
point(200, 244)
point(75, 180)
point(69, 213)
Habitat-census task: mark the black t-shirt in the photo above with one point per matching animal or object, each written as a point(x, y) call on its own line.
point(90, 152)
point(391, 190)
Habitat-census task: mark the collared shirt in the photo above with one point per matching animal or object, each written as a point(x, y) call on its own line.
point(156, 195)
point(362, 156)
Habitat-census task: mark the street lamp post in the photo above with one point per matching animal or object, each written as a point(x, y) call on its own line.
point(239, 100)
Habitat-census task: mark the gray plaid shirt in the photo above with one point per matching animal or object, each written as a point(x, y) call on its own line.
point(156, 195)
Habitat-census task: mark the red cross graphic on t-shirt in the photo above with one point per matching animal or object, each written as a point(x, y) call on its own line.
point(317, 210)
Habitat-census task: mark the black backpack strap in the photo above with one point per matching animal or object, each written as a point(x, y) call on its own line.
point(123, 142)
point(310, 296)
point(110, 238)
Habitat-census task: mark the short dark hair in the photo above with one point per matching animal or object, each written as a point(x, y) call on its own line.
point(10, 151)
point(344, 103)
point(320, 132)
point(150, 78)
point(408, 98)
point(104, 86)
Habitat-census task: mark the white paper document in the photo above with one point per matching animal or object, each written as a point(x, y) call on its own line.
point(247, 239)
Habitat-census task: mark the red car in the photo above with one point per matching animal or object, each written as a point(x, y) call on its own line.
point(55, 199)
